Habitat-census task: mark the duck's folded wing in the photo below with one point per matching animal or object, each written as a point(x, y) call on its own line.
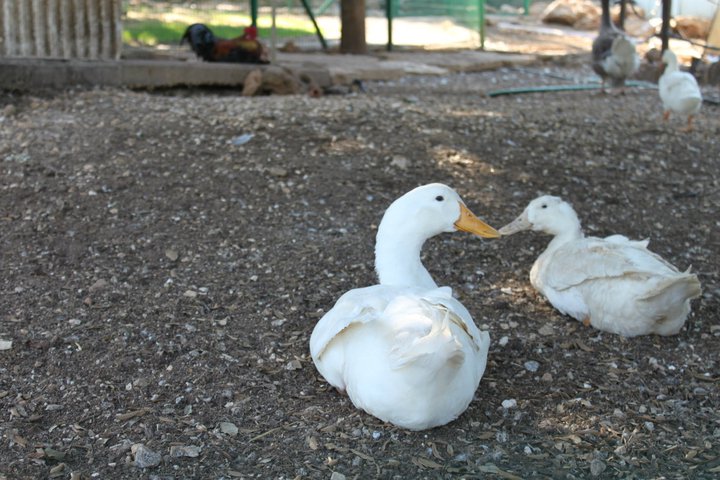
point(595, 258)
point(360, 305)
point(459, 315)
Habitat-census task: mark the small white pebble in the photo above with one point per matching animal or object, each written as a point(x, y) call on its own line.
point(504, 341)
point(532, 366)
point(509, 403)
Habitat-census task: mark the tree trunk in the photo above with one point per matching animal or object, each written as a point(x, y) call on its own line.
point(352, 20)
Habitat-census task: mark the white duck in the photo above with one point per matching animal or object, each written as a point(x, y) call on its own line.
point(614, 284)
point(405, 350)
point(679, 91)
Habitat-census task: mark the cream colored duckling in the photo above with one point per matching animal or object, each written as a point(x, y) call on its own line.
point(679, 91)
point(405, 350)
point(614, 284)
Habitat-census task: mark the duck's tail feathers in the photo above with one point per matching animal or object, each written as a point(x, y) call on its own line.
point(669, 302)
point(676, 289)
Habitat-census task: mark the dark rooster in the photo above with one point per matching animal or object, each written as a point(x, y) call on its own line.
point(243, 49)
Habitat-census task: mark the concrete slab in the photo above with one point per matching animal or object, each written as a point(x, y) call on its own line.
point(26, 73)
point(324, 69)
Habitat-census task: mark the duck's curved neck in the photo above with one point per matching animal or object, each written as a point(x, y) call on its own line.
point(566, 236)
point(397, 261)
point(672, 65)
point(605, 19)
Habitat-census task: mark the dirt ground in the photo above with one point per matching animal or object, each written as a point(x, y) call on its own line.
point(161, 275)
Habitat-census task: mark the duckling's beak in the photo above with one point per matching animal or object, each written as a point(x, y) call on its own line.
point(518, 225)
point(468, 222)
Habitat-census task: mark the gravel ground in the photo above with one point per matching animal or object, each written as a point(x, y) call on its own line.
point(160, 280)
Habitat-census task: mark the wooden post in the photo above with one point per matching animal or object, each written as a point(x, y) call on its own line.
point(80, 30)
point(24, 31)
point(352, 21)
point(53, 32)
point(106, 22)
point(117, 21)
point(66, 30)
point(93, 38)
point(39, 28)
point(9, 28)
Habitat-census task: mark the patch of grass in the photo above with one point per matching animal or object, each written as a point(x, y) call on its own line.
point(148, 27)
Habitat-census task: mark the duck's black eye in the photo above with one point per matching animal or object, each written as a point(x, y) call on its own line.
point(544, 205)
point(439, 198)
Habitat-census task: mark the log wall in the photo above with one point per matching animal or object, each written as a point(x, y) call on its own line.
point(90, 29)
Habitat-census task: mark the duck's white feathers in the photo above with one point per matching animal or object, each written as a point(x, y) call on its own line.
point(407, 355)
point(680, 93)
point(596, 258)
point(616, 284)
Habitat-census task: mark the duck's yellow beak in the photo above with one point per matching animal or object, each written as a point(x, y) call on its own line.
point(468, 222)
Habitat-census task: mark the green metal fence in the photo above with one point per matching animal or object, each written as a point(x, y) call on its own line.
point(507, 6)
point(470, 13)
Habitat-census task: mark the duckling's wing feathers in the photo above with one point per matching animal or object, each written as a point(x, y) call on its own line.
point(595, 258)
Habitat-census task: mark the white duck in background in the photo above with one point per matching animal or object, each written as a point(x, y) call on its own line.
point(613, 53)
point(405, 350)
point(679, 91)
point(614, 284)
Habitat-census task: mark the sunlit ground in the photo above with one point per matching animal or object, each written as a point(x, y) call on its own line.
point(151, 27)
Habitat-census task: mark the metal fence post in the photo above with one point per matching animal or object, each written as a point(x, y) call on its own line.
point(253, 12)
point(389, 15)
point(481, 18)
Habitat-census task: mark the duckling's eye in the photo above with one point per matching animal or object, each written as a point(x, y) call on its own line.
point(544, 205)
point(439, 198)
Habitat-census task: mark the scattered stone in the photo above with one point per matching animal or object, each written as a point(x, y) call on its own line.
point(53, 454)
point(242, 139)
point(532, 366)
point(650, 426)
point(252, 83)
point(144, 457)
point(58, 470)
point(547, 377)
point(692, 27)
point(546, 330)
point(337, 476)
point(99, 284)
point(229, 428)
point(280, 81)
point(573, 13)
point(504, 341)
point(400, 162)
point(185, 451)
point(597, 467)
point(190, 294)
point(278, 172)
point(5, 344)
point(171, 254)
point(293, 365)
point(510, 403)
